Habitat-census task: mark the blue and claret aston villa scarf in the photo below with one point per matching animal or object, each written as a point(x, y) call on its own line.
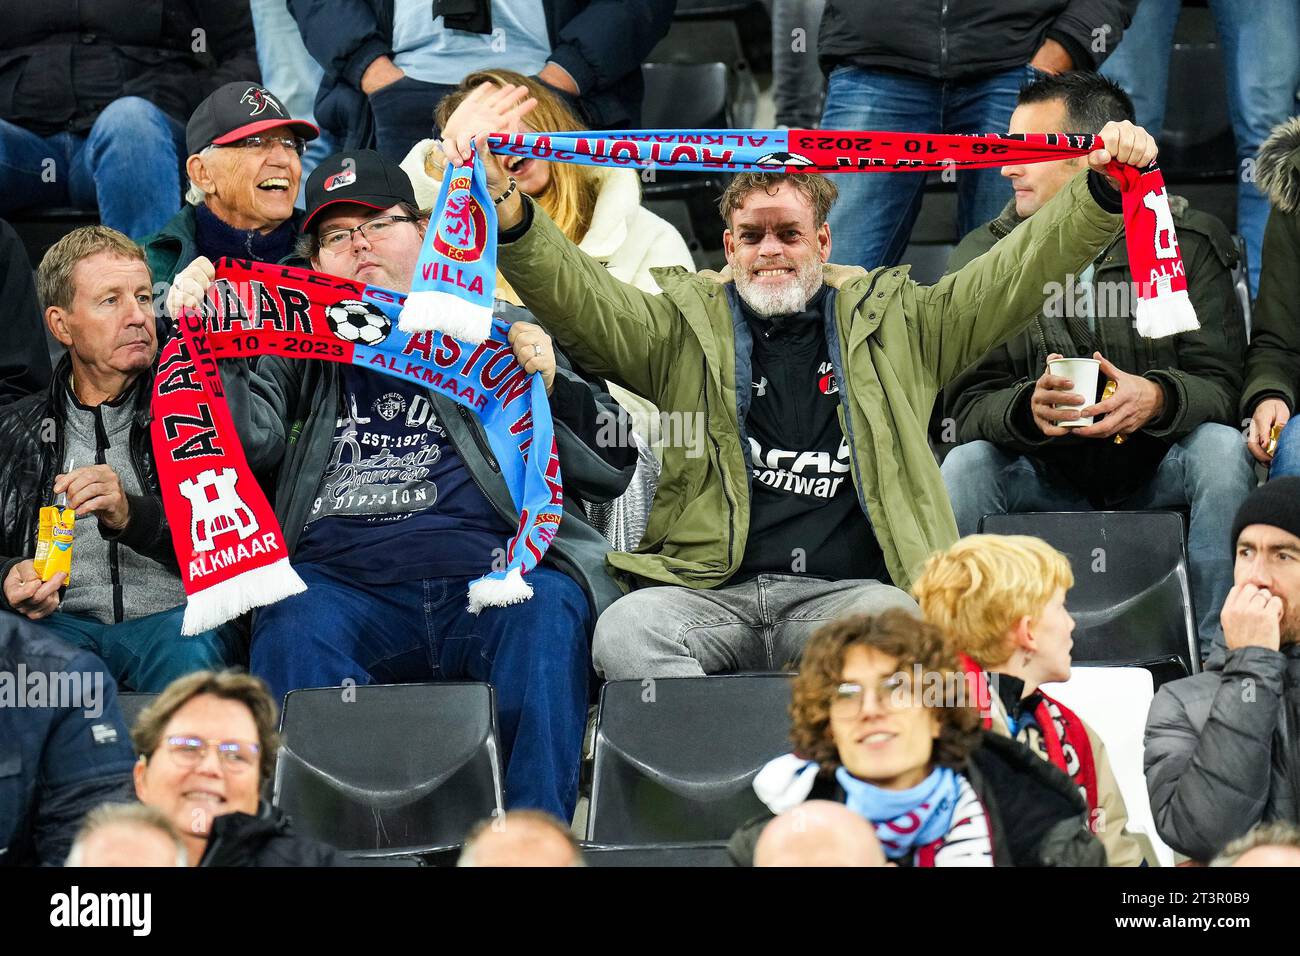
point(453, 285)
point(221, 533)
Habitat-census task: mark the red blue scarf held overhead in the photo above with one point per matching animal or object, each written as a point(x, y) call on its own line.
point(453, 285)
point(229, 545)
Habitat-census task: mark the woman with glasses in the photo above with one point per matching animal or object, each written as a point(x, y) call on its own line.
point(207, 750)
point(886, 723)
point(1000, 599)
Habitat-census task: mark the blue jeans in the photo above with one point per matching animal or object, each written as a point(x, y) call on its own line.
point(1261, 57)
point(148, 653)
point(1286, 461)
point(128, 166)
point(1209, 472)
point(797, 81)
point(873, 217)
point(289, 72)
point(534, 653)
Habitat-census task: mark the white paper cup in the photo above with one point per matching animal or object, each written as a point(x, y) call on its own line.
point(1083, 373)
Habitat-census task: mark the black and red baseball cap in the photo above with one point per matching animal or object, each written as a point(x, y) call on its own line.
point(236, 110)
point(359, 176)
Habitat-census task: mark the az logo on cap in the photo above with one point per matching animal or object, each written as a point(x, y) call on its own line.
point(259, 99)
point(340, 179)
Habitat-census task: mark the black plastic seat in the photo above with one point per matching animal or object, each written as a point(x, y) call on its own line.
point(388, 770)
point(664, 854)
point(675, 758)
point(132, 704)
point(1130, 601)
point(688, 96)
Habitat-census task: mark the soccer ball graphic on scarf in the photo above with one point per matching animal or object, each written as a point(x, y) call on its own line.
point(355, 321)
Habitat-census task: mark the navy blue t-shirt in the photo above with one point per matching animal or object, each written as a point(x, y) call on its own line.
point(396, 501)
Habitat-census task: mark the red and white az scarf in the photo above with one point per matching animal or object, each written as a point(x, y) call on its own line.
point(1064, 735)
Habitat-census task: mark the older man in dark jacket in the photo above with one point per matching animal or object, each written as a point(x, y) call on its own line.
point(1222, 752)
point(388, 62)
point(93, 98)
point(84, 443)
point(1167, 438)
point(942, 67)
point(64, 747)
point(244, 166)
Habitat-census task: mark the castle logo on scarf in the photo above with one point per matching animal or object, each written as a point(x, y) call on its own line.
point(1163, 307)
point(257, 309)
point(229, 546)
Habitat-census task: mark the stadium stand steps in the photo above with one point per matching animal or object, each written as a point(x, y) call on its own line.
point(1131, 601)
point(390, 770)
point(675, 757)
point(659, 855)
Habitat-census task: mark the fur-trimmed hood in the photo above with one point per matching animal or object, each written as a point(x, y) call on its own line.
point(1277, 169)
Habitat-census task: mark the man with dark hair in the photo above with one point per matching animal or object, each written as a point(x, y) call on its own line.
point(1166, 439)
point(84, 443)
point(1222, 750)
point(388, 545)
point(810, 492)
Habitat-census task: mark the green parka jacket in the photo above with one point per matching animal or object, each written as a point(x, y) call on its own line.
point(893, 343)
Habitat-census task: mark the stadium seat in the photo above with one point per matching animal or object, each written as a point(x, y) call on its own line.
point(675, 757)
point(678, 214)
point(131, 704)
point(1113, 701)
point(711, 41)
point(1241, 282)
point(1130, 601)
point(664, 854)
point(688, 96)
point(1197, 140)
point(389, 770)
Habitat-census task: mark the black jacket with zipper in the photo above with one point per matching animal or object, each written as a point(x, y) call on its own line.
point(964, 39)
point(264, 839)
point(63, 62)
point(31, 455)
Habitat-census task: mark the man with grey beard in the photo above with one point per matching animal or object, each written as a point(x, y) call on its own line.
point(1222, 746)
point(817, 495)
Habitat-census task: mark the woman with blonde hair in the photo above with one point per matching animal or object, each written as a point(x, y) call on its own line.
point(1000, 600)
point(600, 209)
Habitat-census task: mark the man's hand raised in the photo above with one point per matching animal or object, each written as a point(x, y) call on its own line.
point(1124, 143)
point(1251, 617)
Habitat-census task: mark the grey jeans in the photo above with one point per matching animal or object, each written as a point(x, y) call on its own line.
point(762, 624)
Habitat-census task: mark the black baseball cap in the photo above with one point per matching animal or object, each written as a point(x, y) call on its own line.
point(237, 110)
point(358, 176)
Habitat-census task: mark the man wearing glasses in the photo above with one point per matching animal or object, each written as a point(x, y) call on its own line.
point(244, 166)
point(391, 502)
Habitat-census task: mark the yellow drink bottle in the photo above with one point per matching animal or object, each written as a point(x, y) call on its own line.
point(60, 556)
point(44, 538)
